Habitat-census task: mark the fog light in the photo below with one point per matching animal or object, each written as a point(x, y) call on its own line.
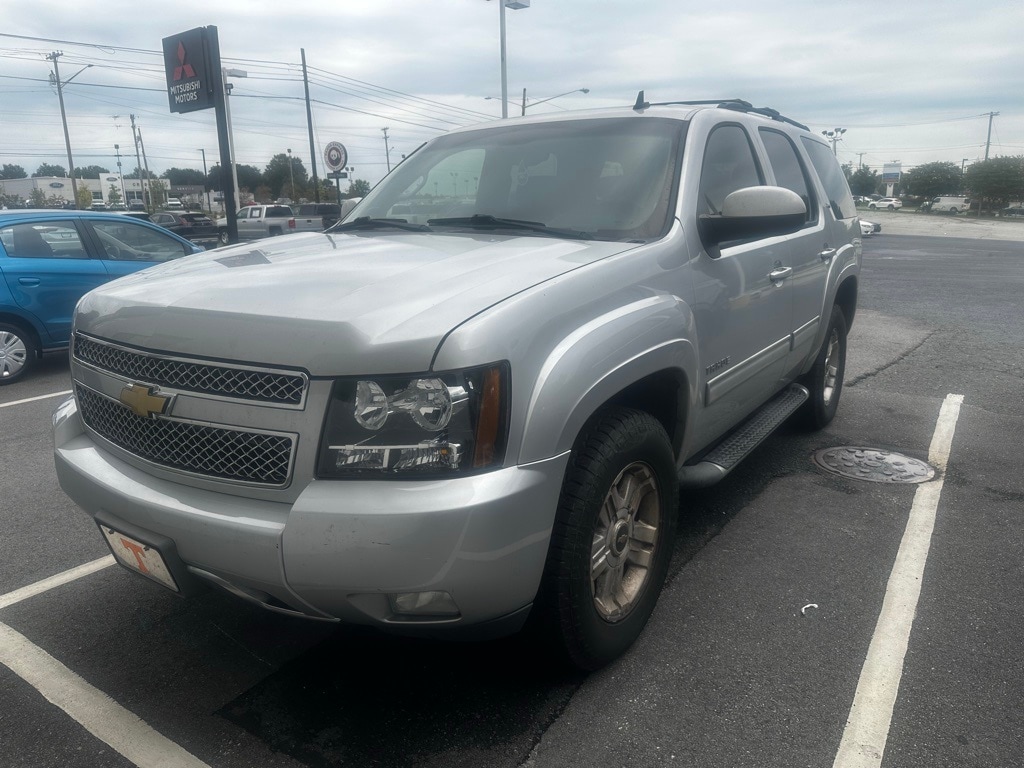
point(423, 604)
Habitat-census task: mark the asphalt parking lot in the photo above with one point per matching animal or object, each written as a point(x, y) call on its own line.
point(766, 645)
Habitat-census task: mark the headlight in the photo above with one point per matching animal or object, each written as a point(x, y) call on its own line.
point(434, 424)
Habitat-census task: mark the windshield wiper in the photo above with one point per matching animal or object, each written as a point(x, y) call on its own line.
point(486, 221)
point(365, 222)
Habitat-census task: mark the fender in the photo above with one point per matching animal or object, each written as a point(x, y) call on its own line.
point(602, 358)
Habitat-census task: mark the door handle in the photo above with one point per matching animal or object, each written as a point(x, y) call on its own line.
point(780, 273)
point(827, 254)
point(30, 281)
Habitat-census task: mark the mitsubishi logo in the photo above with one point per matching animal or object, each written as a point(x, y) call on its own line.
point(145, 401)
point(183, 66)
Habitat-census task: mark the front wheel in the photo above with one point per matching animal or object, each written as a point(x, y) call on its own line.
point(18, 353)
point(825, 379)
point(612, 539)
point(892, 207)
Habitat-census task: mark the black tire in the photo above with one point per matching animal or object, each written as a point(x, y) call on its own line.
point(222, 237)
point(892, 207)
point(825, 379)
point(275, 232)
point(953, 211)
point(18, 353)
point(592, 608)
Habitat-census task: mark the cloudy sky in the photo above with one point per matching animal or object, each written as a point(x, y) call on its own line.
point(912, 81)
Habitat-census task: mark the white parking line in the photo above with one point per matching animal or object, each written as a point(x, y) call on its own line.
point(33, 399)
point(55, 581)
point(99, 714)
point(867, 728)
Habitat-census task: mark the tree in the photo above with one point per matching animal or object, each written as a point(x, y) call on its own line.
point(84, 197)
point(184, 177)
point(932, 179)
point(863, 181)
point(37, 199)
point(997, 181)
point(358, 188)
point(90, 172)
point(49, 170)
point(12, 172)
point(114, 195)
point(277, 175)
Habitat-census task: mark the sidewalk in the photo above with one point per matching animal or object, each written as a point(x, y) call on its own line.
point(944, 225)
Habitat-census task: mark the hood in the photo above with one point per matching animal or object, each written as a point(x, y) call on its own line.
point(331, 304)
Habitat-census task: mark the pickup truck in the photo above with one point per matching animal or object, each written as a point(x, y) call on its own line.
point(258, 221)
point(316, 217)
point(479, 421)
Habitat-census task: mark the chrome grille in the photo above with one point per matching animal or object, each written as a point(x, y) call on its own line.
point(216, 452)
point(220, 380)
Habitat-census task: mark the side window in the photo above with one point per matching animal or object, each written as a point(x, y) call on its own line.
point(832, 179)
point(788, 169)
point(49, 240)
point(729, 164)
point(129, 241)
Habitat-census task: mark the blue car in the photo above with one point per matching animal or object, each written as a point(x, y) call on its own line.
point(49, 259)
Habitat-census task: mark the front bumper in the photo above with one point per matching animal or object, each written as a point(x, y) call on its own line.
point(341, 547)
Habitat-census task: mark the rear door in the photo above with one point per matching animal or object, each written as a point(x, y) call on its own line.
point(809, 251)
point(47, 268)
point(743, 296)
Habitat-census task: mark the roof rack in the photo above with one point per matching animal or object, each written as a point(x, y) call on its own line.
point(738, 105)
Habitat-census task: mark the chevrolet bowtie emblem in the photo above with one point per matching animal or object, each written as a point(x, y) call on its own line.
point(145, 401)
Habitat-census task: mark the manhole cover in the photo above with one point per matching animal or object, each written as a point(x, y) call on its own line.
point(873, 465)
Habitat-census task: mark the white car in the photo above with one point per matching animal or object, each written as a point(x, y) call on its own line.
point(889, 203)
point(869, 228)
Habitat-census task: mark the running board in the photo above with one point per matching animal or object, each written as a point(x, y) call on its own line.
point(727, 454)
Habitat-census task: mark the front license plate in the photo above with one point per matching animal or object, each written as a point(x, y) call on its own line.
point(139, 557)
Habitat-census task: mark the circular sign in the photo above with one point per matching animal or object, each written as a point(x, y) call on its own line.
point(335, 156)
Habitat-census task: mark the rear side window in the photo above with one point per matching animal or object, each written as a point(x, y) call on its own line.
point(729, 164)
point(789, 170)
point(278, 210)
point(832, 179)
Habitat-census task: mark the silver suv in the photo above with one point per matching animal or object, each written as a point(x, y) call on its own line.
point(472, 407)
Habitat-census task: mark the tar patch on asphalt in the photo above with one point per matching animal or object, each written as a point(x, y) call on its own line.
point(363, 699)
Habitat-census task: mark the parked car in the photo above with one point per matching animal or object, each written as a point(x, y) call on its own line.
point(458, 425)
point(174, 204)
point(136, 215)
point(197, 227)
point(888, 203)
point(50, 258)
point(258, 221)
point(952, 205)
point(869, 228)
point(316, 217)
point(1012, 211)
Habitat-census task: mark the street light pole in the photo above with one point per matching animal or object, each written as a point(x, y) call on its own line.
point(120, 175)
point(206, 191)
point(515, 5)
point(63, 116)
point(291, 175)
point(835, 137)
point(225, 73)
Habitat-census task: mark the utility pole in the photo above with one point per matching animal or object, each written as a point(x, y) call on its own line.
point(145, 164)
point(309, 127)
point(387, 151)
point(64, 119)
point(860, 159)
point(138, 162)
point(988, 141)
point(523, 113)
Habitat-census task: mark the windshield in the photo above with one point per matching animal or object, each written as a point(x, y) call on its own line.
point(609, 178)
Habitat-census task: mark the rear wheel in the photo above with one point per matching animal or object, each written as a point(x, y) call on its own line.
point(892, 207)
point(612, 539)
point(222, 237)
point(18, 353)
point(825, 379)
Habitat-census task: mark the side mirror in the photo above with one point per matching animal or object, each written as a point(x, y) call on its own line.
point(753, 213)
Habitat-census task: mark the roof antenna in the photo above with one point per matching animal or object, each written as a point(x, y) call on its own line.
point(640, 103)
